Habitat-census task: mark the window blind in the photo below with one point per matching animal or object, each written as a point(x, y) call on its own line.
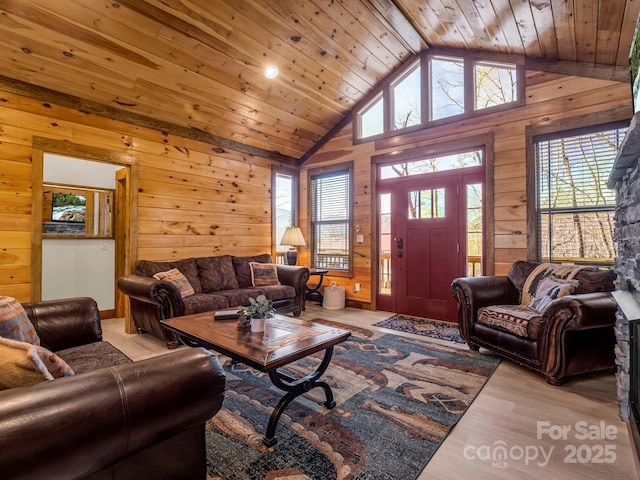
point(330, 220)
point(575, 207)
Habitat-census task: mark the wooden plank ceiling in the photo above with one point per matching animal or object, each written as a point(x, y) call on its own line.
point(195, 67)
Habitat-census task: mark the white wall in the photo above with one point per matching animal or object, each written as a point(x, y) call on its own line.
point(79, 267)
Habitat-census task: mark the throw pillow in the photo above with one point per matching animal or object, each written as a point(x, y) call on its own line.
point(187, 267)
point(14, 322)
point(216, 273)
point(178, 279)
point(263, 274)
point(243, 271)
point(549, 289)
point(26, 364)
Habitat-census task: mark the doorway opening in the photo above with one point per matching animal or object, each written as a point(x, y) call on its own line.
point(116, 245)
point(431, 229)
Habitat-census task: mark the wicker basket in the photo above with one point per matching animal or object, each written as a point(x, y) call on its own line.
point(333, 297)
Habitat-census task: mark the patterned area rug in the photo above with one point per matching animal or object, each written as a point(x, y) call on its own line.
point(422, 326)
point(397, 398)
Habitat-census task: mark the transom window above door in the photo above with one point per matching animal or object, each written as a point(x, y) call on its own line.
point(441, 163)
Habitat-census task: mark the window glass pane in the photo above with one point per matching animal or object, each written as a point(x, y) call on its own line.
point(447, 87)
point(384, 282)
point(330, 219)
point(584, 237)
point(372, 119)
point(438, 203)
point(430, 165)
point(284, 214)
point(575, 207)
point(426, 204)
point(496, 84)
point(474, 230)
point(406, 100)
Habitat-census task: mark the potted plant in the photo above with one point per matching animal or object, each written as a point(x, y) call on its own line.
point(255, 313)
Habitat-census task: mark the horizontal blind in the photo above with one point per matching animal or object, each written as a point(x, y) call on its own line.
point(575, 207)
point(330, 212)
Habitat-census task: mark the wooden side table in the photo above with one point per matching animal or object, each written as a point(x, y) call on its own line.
point(313, 293)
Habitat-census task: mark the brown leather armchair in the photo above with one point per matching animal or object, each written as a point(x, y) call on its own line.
point(574, 334)
point(129, 421)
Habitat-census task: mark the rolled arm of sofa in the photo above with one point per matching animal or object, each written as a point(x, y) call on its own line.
point(65, 323)
point(576, 335)
point(581, 312)
point(163, 294)
point(75, 426)
point(478, 292)
point(293, 275)
point(473, 293)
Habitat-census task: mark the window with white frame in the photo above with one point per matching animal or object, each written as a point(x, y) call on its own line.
point(331, 211)
point(574, 206)
point(407, 104)
point(439, 88)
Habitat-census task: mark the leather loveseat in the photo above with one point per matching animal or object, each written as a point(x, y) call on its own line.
point(112, 419)
point(570, 335)
point(217, 283)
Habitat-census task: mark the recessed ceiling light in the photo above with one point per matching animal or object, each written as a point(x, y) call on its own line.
point(271, 71)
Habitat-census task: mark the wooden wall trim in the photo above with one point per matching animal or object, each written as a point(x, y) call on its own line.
point(51, 96)
point(580, 69)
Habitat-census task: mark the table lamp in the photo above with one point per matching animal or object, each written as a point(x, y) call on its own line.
point(293, 237)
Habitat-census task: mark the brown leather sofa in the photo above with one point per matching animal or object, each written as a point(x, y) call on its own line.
point(574, 333)
point(119, 419)
point(219, 282)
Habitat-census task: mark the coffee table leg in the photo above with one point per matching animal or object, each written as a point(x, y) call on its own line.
point(295, 388)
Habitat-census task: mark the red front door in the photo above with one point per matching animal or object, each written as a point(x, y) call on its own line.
point(425, 246)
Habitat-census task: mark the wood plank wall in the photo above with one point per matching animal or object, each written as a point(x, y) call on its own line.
point(194, 199)
point(550, 98)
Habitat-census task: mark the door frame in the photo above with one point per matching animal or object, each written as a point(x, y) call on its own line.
point(126, 238)
point(482, 141)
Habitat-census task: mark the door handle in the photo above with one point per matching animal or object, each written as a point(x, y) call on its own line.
point(399, 243)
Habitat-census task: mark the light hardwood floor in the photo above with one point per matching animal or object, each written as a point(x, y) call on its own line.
point(516, 410)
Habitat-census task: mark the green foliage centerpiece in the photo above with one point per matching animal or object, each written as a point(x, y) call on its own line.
point(254, 314)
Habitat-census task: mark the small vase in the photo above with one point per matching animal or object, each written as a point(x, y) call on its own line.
point(257, 324)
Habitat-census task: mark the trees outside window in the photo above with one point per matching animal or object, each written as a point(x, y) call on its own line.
point(574, 206)
point(439, 88)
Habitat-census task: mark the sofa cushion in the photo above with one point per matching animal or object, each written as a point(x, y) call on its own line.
point(243, 272)
point(25, 364)
point(14, 322)
point(519, 320)
point(216, 273)
point(263, 274)
point(205, 302)
point(278, 292)
point(93, 356)
point(239, 297)
point(187, 267)
point(549, 289)
point(178, 279)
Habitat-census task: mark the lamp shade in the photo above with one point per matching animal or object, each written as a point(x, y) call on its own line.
point(293, 236)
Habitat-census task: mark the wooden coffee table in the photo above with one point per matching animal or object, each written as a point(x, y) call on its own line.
point(284, 340)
